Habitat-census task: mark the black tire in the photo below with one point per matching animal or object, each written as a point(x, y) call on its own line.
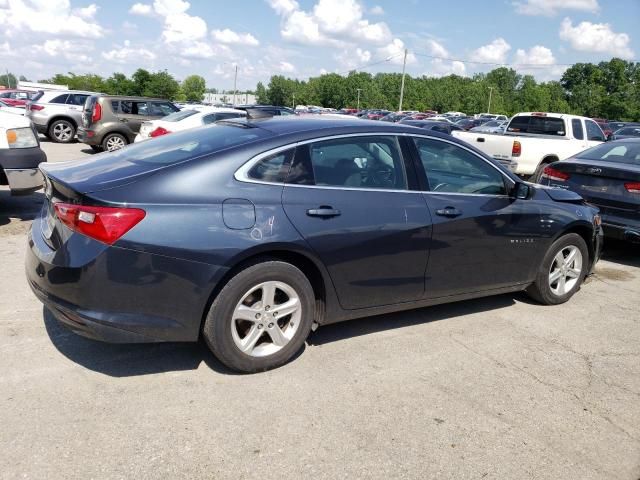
point(217, 328)
point(111, 138)
point(541, 289)
point(537, 175)
point(61, 131)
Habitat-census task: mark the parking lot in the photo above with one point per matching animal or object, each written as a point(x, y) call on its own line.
point(493, 388)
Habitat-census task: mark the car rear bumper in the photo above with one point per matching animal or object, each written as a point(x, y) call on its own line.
point(88, 136)
point(118, 295)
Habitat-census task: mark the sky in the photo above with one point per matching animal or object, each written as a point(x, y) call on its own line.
point(305, 38)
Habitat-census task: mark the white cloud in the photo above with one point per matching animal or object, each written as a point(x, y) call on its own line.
point(166, 8)
point(67, 49)
point(377, 10)
point(596, 37)
point(537, 55)
point(286, 67)
point(552, 7)
point(330, 22)
point(88, 13)
point(181, 27)
point(53, 17)
point(141, 9)
point(441, 66)
point(128, 54)
point(229, 36)
point(494, 52)
point(395, 49)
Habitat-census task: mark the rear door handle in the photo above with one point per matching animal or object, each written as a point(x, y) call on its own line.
point(323, 211)
point(449, 212)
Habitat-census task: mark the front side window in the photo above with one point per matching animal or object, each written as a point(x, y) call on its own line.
point(273, 168)
point(594, 133)
point(578, 133)
point(158, 109)
point(353, 162)
point(452, 169)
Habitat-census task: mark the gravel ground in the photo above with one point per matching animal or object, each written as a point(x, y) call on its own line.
point(496, 388)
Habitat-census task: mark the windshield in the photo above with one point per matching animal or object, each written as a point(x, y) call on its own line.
point(492, 123)
point(180, 115)
point(621, 152)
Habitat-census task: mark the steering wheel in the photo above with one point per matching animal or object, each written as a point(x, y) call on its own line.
point(440, 186)
point(381, 176)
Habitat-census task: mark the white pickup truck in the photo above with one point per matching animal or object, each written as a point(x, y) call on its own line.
point(535, 139)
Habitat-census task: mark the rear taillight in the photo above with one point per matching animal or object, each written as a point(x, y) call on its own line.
point(37, 108)
point(105, 224)
point(553, 174)
point(158, 132)
point(516, 149)
point(96, 114)
point(632, 187)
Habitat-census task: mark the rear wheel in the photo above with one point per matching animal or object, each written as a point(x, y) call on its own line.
point(113, 142)
point(62, 131)
point(261, 317)
point(562, 271)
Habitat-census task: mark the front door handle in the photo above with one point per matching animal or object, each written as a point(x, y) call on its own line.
point(450, 212)
point(323, 211)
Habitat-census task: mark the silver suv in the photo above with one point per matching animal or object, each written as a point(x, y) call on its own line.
point(57, 113)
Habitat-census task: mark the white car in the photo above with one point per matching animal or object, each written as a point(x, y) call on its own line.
point(6, 108)
point(185, 119)
point(532, 140)
point(20, 154)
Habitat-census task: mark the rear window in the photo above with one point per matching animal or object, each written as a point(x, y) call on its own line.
point(37, 96)
point(181, 146)
point(622, 152)
point(538, 126)
point(177, 116)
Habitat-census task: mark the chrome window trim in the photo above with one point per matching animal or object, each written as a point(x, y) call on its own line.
point(242, 174)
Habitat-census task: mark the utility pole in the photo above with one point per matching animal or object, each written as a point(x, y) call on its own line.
point(404, 66)
point(294, 101)
point(9, 80)
point(359, 90)
point(490, 92)
point(235, 83)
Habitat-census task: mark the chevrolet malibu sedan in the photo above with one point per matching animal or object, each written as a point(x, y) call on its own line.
point(251, 233)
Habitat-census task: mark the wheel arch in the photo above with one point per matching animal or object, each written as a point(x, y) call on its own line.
point(586, 231)
point(306, 263)
point(61, 117)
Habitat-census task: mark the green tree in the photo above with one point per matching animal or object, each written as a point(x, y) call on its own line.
point(261, 94)
point(141, 79)
point(119, 84)
point(162, 85)
point(193, 88)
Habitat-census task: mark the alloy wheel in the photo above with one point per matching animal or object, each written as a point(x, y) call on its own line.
point(565, 270)
point(266, 318)
point(62, 131)
point(115, 143)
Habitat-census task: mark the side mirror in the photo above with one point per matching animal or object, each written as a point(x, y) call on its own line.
point(521, 191)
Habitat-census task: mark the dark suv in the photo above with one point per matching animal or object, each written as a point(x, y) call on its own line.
point(111, 122)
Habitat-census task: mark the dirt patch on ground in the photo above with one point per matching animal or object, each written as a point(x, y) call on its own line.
point(15, 227)
point(606, 273)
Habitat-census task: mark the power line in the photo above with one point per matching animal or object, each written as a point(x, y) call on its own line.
point(520, 65)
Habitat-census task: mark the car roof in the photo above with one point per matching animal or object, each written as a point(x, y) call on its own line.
point(55, 93)
point(132, 97)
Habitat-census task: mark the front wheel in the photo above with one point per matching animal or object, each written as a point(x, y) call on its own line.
point(562, 271)
point(261, 317)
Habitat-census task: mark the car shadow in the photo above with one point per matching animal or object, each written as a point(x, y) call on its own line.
point(624, 253)
point(23, 207)
point(127, 360)
point(369, 325)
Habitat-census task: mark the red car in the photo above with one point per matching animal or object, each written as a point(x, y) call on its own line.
point(16, 98)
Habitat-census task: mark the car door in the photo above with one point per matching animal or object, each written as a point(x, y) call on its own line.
point(483, 238)
point(132, 113)
point(595, 135)
point(348, 197)
point(75, 105)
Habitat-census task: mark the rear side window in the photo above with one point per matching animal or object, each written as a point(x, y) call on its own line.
point(76, 99)
point(273, 168)
point(132, 107)
point(59, 99)
point(161, 109)
point(593, 131)
point(576, 125)
point(354, 162)
point(538, 125)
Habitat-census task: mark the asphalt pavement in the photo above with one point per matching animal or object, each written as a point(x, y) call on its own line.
point(496, 388)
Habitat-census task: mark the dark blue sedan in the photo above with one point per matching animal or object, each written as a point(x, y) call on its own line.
point(250, 233)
